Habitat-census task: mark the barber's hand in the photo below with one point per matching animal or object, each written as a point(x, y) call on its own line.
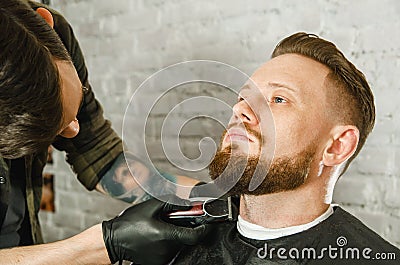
point(138, 235)
point(203, 189)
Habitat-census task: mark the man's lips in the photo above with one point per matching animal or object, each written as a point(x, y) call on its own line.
point(238, 135)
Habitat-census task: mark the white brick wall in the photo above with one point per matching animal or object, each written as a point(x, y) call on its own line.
point(126, 41)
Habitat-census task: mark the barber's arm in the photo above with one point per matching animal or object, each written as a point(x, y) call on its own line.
point(84, 248)
point(128, 175)
point(96, 153)
point(137, 235)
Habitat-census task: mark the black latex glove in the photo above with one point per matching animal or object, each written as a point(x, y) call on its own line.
point(212, 191)
point(138, 235)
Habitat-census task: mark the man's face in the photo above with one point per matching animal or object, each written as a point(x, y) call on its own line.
point(72, 97)
point(278, 121)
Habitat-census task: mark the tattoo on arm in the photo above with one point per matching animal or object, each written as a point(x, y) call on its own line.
point(121, 181)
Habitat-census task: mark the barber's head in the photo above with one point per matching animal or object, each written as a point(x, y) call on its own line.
point(40, 91)
point(307, 106)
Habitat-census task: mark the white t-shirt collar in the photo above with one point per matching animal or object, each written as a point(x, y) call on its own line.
point(257, 232)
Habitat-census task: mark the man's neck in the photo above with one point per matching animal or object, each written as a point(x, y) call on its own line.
point(284, 209)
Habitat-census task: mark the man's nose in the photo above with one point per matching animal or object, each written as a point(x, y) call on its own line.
point(71, 130)
point(244, 112)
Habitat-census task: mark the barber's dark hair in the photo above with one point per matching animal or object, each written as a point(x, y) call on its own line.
point(30, 94)
point(349, 95)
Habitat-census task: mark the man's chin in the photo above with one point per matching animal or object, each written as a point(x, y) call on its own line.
point(234, 173)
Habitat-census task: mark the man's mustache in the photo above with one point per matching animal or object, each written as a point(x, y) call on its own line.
point(245, 126)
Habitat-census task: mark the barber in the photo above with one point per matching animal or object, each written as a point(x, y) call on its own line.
point(45, 98)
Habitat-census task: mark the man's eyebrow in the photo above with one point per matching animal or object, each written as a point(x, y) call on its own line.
point(84, 91)
point(280, 85)
point(82, 99)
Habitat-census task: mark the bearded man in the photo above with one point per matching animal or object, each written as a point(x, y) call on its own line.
point(295, 128)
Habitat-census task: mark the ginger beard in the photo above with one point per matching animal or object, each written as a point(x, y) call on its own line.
point(283, 174)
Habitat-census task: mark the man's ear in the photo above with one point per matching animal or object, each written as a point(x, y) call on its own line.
point(46, 15)
point(342, 145)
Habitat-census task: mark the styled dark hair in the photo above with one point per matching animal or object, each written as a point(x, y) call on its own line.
point(349, 95)
point(31, 110)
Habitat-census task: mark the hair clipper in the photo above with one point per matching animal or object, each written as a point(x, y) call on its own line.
point(201, 211)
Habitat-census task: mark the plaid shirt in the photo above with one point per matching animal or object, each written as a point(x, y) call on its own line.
point(89, 153)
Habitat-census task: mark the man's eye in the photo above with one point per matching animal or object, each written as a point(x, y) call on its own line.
point(240, 99)
point(279, 100)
